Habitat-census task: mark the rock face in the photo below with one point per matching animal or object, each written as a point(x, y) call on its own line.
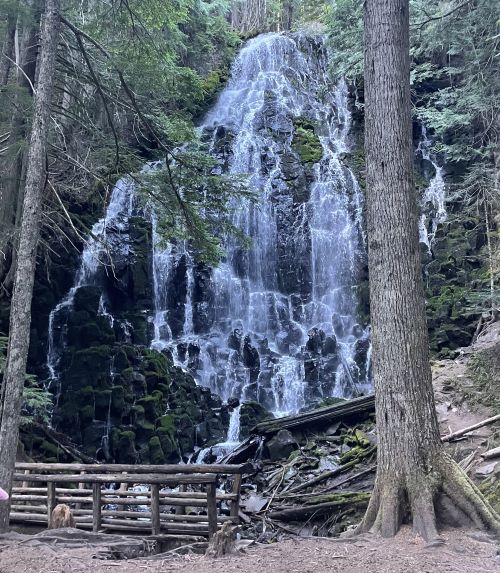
point(125, 402)
point(275, 327)
point(117, 398)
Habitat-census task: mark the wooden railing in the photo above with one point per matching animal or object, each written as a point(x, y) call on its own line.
point(179, 499)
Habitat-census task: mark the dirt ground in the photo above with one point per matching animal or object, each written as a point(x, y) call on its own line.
point(462, 552)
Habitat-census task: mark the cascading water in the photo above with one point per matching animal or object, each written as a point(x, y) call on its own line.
point(281, 327)
point(95, 256)
point(433, 201)
point(274, 323)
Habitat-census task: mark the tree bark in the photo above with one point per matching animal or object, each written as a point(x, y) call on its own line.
point(414, 475)
point(20, 313)
point(12, 165)
point(8, 48)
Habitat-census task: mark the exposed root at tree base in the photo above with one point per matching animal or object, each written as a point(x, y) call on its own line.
point(445, 496)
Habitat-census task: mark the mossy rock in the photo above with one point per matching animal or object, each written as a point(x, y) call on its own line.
point(123, 443)
point(156, 455)
point(87, 414)
point(167, 422)
point(151, 406)
point(305, 142)
point(169, 445)
point(144, 430)
point(251, 414)
point(87, 298)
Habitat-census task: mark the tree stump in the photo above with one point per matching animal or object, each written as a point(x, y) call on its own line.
point(223, 542)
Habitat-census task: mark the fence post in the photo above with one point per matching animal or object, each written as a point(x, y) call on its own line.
point(51, 500)
point(212, 509)
point(234, 511)
point(96, 507)
point(155, 509)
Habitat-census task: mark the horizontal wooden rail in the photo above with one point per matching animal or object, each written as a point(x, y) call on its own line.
point(120, 478)
point(185, 469)
point(191, 508)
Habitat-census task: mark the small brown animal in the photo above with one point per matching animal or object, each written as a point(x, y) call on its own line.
point(61, 516)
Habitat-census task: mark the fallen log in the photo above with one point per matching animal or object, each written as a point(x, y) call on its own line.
point(320, 416)
point(463, 431)
point(316, 509)
point(494, 453)
point(332, 473)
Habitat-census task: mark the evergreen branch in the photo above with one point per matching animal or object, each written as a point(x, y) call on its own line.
point(103, 97)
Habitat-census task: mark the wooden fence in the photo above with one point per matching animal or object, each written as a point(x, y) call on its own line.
point(175, 499)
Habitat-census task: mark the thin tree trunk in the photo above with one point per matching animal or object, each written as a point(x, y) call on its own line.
point(413, 470)
point(7, 49)
point(20, 313)
point(13, 166)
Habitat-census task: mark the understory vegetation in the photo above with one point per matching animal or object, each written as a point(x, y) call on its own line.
point(455, 84)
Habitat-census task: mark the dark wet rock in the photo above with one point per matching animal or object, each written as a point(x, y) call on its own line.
point(281, 445)
point(251, 413)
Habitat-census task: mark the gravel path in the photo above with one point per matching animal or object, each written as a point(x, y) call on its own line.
point(463, 552)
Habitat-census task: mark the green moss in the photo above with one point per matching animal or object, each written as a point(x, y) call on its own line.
point(167, 423)
point(123, 443)
point(87, 414)
point(305, 141)
point(151, 406)
point(491, 489)
point(156, 455)
point(50, 449)
point(344, 498)
point(483, 370)
point(356, 454)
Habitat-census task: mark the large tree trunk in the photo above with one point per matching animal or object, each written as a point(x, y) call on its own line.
point(20, 312)
point(414, 474)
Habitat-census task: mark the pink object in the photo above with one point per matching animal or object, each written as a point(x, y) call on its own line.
point(4, 496)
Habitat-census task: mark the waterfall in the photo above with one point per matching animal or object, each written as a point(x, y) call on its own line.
point(432, 202)
point(95, 255)
point(275, 323)
point(288, 304)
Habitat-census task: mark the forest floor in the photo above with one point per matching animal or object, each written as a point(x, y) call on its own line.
point(457, 405)
point(462, 552)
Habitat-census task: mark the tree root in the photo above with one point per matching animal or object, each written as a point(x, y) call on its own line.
point(444, 496)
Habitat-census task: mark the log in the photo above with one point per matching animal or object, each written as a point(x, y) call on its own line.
point(155, 509)
point(51, 501)
point(116, 492)
point(320, 416)
point(305, 512)
point(234, 510)
point(494, 453)
point(137, 469)
point(41, 510)
point(129, 478)
point(85, 522)
point(332, 473)
point(463, 431)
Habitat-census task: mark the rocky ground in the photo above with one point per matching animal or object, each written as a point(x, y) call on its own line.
point(462, 552)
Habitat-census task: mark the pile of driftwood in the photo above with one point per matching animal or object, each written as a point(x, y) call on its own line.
point(314, 471)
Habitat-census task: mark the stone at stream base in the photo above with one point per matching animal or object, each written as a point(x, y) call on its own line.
point(281, 445)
